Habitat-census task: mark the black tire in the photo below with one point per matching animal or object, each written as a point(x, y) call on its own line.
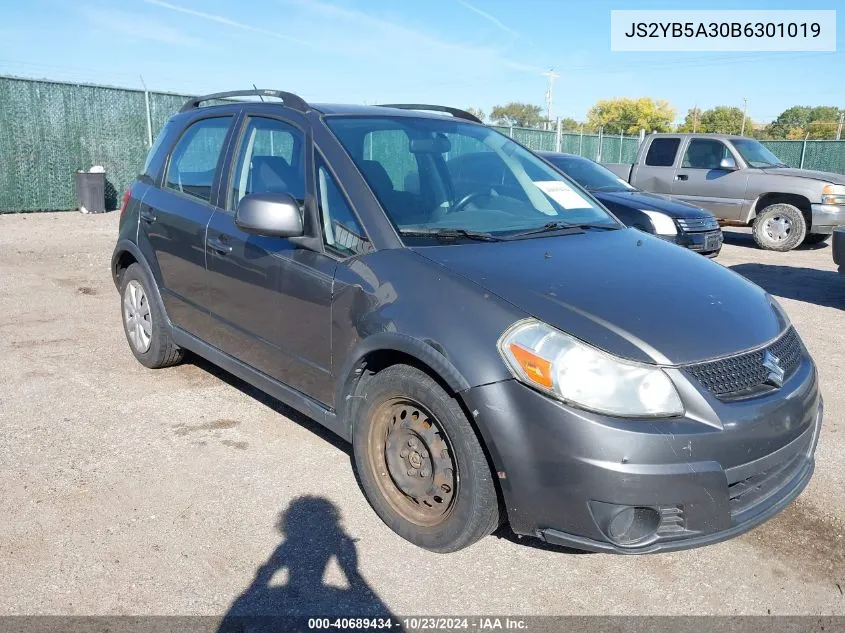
point(161, 351)
point(774, 213)
point(816, 238)
point(473, 509)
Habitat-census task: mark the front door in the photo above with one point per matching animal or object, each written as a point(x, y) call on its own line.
point(270, 300)
point(701, 181)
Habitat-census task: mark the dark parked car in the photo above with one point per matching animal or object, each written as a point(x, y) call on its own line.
point(497, 349)
point(672, 220)
point(839, 248)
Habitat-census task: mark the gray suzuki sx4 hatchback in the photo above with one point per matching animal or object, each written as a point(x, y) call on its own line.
point(495, 345)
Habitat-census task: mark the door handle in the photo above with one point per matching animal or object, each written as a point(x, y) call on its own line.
point(681, 177)
point(219, 246)
point(148, 215)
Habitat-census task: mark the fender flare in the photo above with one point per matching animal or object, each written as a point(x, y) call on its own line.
point(127, 246)
point(423, 351)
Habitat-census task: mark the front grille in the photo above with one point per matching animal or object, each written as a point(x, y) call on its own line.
point(744, 375)
point(695, 225)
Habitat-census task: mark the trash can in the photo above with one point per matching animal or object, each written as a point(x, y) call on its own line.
point(91, 190)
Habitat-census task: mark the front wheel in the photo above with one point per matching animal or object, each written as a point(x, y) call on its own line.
point(779, 227)
point(420, 462)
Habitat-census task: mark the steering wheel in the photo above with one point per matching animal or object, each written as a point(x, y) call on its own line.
point(460, 204)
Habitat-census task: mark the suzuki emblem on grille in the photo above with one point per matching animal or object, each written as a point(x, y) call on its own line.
point(776, 372)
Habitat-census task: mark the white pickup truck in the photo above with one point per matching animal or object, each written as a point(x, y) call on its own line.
point(741, 182)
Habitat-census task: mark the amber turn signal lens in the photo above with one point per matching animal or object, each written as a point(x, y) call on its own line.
point(537, 369)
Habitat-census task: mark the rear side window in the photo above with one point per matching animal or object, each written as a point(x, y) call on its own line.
point(662, 152)
point(193, 162)
point(704, 153)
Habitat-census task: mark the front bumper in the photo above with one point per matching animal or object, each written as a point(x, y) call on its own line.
point(826, 217)
point(699, 241)
point(718, 471)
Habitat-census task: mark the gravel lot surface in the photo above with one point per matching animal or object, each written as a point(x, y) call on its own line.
point(130, 491)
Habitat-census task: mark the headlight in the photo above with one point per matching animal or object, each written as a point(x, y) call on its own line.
point(663, 224)
point(565, 368)
point(833, 194)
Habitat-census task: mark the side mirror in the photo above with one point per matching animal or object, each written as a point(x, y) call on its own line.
point(271, 214)
point(728, 162)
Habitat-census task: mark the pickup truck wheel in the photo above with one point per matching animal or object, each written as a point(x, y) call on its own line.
point(420, 463)
point(779, 227)
point(816, 238)
point(144, 322)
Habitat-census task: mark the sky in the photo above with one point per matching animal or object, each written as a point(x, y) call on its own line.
point(462, 53)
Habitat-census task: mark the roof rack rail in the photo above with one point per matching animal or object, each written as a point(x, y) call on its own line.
point(455, 112)
point(289, 99)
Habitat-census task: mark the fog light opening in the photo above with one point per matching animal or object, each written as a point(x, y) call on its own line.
point(632, 525)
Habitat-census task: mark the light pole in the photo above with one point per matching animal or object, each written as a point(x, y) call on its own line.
point(744, 110)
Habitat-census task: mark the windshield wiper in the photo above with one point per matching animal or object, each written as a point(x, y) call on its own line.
point(563, 226)
point(449, 234)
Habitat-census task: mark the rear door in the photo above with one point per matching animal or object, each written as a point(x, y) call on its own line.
point(175, 213)
point(657, 169)
point(699, 179)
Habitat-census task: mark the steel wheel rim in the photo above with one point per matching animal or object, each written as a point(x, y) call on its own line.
point(136, 316)
point(778, 227)
point(413, 462)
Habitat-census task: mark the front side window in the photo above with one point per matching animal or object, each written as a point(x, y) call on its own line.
point(756, 154)
point(589, 174)
point(271, 159)
point(662, 152)
point(705, 153)
point(341, 230)
point(447, 175)
point(193, 163)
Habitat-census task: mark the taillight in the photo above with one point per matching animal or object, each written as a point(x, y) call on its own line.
point(124, 203)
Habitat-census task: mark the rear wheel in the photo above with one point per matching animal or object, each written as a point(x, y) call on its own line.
point(420, 463)
point(816, 238)
point(779, 227)
point(144, 323)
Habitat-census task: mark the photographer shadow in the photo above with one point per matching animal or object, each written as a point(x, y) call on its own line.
point(313, 536)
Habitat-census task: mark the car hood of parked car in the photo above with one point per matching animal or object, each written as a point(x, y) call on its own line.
point(650, 202)
point(824, 176)
point(631, 294)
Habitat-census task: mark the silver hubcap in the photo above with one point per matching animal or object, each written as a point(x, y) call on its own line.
point(778, 228)
point(136, 316)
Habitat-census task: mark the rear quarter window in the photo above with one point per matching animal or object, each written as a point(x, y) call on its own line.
point(662, 151)
point(156, 147)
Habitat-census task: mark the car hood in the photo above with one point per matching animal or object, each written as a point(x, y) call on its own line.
point(628, 293)
point(836, 179)
point(651, 202)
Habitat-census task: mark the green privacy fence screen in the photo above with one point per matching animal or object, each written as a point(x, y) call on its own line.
point(49, 130)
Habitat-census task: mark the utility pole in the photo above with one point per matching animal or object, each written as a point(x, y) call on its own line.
point(695, 118)
point(744, 110)
point(839, 127)
point(552, 75)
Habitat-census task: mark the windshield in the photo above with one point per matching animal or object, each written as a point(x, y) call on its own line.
point(589, 174)
point(448, 178)
point(756, 154)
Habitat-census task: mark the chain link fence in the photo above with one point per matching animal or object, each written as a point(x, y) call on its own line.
point(49, 130)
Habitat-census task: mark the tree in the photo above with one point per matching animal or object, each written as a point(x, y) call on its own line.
point(629, 116)
point(721, 119)
point(795, 122)
point(518, 114)
point(569, 125)
point(477, 112)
